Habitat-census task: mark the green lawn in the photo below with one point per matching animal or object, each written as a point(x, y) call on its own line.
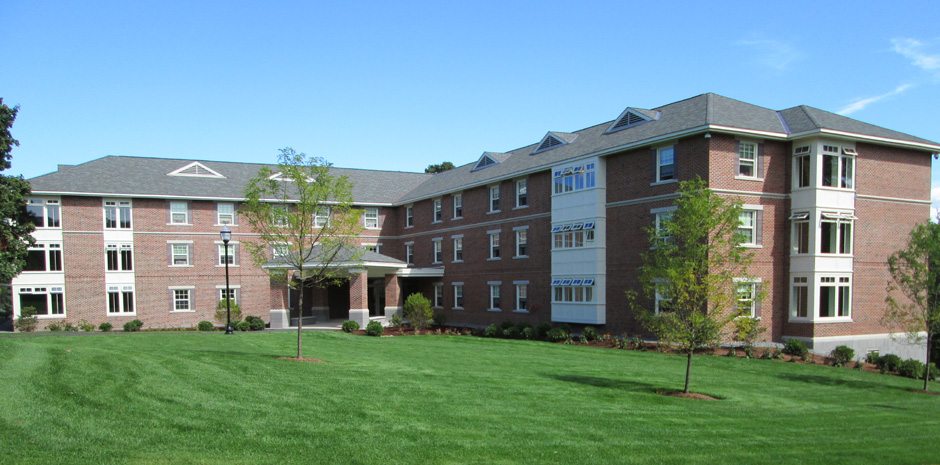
point(156, 398)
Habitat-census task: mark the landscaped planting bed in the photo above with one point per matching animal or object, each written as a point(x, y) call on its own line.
point(210, 398)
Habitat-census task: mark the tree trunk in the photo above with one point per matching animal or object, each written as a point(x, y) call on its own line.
point(688, 370)
point(927, 366)
point(300, 316)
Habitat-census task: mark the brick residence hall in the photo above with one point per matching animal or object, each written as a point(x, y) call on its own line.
point(550, 232)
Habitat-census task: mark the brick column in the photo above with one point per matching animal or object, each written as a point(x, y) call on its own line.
point(359, 296)
point(393, 303)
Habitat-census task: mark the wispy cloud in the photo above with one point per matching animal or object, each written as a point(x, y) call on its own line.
point(915, 50)
point(774, 54)
point(861, 103)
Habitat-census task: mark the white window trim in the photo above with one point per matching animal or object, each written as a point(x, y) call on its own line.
point(499, 294)
point(737, 168)
point(675, 177)
point(753, 282)
point(235, 287)
point(517, 285)
point(118, 205)
point(455, 285)
point(454, 240)
point(457, 198)
point(411, 246)
point(45, 202)
point(516, 184)
point(490, 189)
point(191, 299)
point(490, 235)
point(437, 209)
point(438, 293)
point(121, 291)
point(437, 248)
point(409, 216)
point(754, 243)
point(365, 218)
point(189, 254)
point(188, 221)
point(517, 231)
point(48, 293)
point(232, 247)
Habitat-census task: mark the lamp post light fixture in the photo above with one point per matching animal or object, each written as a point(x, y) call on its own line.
point(226, 234)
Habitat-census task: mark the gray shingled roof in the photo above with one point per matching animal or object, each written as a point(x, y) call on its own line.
point(121, 175)
point(147, 176)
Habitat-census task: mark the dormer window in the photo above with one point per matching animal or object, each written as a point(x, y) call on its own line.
point(197, 170)
point(629, 118)
point(489, 159)
point(554, 139)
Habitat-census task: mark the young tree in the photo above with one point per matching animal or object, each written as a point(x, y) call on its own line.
point(281, 207)
point(915, 275)
point(16, 225)
point(694, 258)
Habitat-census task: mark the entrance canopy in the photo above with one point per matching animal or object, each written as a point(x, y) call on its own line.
point(378, 265)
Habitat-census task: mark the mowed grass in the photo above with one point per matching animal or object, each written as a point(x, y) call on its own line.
point(160, 398)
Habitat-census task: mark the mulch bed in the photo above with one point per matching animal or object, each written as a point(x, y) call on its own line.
point(687, 395)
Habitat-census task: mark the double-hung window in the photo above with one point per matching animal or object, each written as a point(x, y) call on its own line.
point(181, 254)
point(495, 303)
point(458, 206)
point(438, 207)
point(747, 159)
point(662, 301)
point(665, 164)
point(438, 295)
point(225, 213)
point(409, 216)
point(370, 218)
point(231, 293)
point(179, 212)
point(182, 300)
point(228, 256)
point(321, 218)
point(522, 299)
point(44, 213)
point(494, 245)
point(410, 253)
point(458, 249)
point(746, 298)
point(438, 250)
point(117, 214)
point(119, 257)
point(458, 295)
point(522, 243)
point(749, 228)
point(522, 193)
point(494, 198)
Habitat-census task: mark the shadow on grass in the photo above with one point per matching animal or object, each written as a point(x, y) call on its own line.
point(830, 381)
point(619, 384)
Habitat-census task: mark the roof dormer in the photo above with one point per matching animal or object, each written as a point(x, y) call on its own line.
point(489, 159)
point(632, 117)
point(554, 139)
point(196, 170)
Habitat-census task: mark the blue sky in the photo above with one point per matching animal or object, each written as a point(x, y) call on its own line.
point(399, 85)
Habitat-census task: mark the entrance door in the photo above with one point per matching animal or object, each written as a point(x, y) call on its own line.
point(293, 297)
point(377, 297)
point(338, 298)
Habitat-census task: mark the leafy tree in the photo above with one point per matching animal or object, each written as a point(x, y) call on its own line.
point(16, 227)
point(914, 290)
point(439, 168)
point(418, 311)
point(280, 207)
point(692, 263)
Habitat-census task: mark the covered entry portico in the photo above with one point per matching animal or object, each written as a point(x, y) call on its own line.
point(372, 291)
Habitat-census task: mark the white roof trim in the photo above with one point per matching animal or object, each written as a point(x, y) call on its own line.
point(212, 173)
point(421, 272)
point(480, 165)
point(551, 134)
point(623, 115)
point(191, 197)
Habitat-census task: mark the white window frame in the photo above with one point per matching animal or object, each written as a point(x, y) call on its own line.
point(370, 218)
point(47, 205)
point(48, 292)
point(437, 214)
point(752, 286)
point(522, 292)
point(494, 198)
point(219, 215)
point(658, 298)
point(659, 164)
point(234, 292)
point(522, 193)
point(495, 300)
point(174, 212)
point(661, 215)
point(321, 217)
point(458, 249)
point(233, 252)
point(409, 216)
point(279, 216)
point(118, 205)
point(754, 149)
point(748, 229)
point(410, 253)
point(802, 155)
point(801, 282)
point(48, 249)
point(494, 248)
point(838, 282)
point(174, 254)
point(839, 220)
point(438, 295)
point(121, 290)
point(574, 178)
point(800, 220)
point(187, 297)
point(845, 156)
point(118, 248)
point(458, 295)
point(522, 240)
point(437, 250)
point(458, 206)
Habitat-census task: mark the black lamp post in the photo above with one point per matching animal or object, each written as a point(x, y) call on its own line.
point(226, 234)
